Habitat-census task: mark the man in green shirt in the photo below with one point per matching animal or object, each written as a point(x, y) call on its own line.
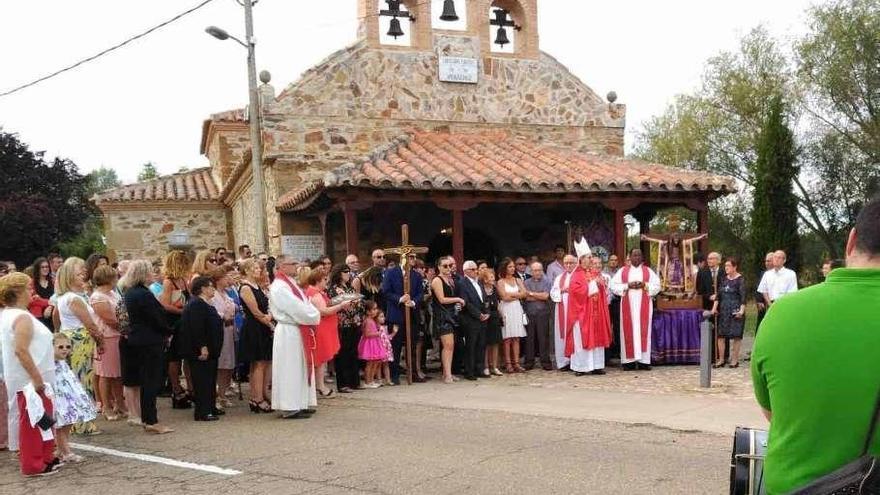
point(816, 366)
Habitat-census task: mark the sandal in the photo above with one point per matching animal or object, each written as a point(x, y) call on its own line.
point(157, 429)
point(329, 394)
point(265, 407)
point(734, 365)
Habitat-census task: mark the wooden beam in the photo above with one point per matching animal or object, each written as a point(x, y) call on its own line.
point(627, 200)
point(703, 221)
point(351, 231)
point(619, 234)
point(458, 236)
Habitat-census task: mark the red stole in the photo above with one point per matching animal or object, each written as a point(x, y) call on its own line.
point(564, 312)
point(626, 314)
point(306, 331)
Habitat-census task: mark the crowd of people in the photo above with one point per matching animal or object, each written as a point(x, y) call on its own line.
point(84, 339)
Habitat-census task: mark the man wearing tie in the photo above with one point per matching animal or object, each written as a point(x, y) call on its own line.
point(708, 282)
point(396, 303)
point(473, 320)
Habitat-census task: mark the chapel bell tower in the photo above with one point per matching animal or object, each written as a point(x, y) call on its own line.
point(502, 28)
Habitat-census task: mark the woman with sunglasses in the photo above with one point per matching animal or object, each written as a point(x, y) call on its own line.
point(203, 264)
point(44, 289)
point(446, 313)
point(350, 321)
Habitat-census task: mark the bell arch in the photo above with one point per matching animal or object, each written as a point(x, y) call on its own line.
point(523, 34)
point(414, 23)
point(440, 8)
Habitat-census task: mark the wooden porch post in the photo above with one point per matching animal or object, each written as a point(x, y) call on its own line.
point(703, 221)
point(619, 233)
point(618, 208)
point(351, 230)
point(457, 207)
point(458, 235)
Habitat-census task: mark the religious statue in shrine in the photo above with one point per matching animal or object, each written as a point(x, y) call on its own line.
point(675, 263)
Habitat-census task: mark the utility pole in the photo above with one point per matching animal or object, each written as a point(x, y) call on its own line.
point(255, 118)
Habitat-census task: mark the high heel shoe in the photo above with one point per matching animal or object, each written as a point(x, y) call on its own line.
point(254, 407)
point(265, 407)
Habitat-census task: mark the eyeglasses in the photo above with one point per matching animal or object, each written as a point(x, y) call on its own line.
point(445, 266)
point(521, 264)
point(63, 346)
point(379, 257)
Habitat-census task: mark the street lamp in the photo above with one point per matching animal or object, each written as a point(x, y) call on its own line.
point(254, 117)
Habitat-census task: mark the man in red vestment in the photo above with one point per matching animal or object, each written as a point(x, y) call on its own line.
point(589, 323)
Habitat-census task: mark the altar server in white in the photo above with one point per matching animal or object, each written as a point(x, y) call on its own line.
point(293, 376)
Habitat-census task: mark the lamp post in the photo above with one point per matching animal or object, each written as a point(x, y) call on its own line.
point(254, 118)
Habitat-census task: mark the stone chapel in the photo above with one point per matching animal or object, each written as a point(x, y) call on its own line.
point(485, 150)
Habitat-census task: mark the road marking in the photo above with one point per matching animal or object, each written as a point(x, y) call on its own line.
point(156, 459)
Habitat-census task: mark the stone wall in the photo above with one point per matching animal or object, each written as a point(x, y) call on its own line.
point(137, 233)
point(244, 229)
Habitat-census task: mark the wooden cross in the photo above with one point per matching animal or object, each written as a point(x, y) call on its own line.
point(405, 250)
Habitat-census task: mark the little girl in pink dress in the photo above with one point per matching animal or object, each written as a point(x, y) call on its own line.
point(386, 343)
point(370, 348)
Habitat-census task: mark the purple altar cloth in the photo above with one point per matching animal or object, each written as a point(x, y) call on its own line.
point(675, 337)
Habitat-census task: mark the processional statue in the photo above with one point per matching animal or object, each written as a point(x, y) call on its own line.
point(675, 263)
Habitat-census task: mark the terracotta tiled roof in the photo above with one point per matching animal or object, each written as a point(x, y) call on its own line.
point(193, 186)
point(494, 161)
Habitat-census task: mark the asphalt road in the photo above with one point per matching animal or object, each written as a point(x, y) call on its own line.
point(371, 446)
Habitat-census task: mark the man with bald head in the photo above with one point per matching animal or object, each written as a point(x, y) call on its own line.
point(537, 307)
point(353, 264)
point(636, 284)
point(777, 282)
point(708, 280)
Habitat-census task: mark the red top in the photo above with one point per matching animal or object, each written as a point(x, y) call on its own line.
point(326, 333)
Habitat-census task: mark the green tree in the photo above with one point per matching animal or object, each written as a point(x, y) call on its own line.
point(148, 172)
point(91, 238)
point(101, 180)
point(838, 66)
point(774, 208)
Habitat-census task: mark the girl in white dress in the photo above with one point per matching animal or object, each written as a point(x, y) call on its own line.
point(511, 291)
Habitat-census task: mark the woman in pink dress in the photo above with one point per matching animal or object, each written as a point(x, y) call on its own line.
point(103, 300)
point(327, 332)
point(226, 308)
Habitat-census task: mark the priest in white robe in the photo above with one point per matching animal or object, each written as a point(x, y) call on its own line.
point(636, 284)
point(293, 375)
point(559, 295)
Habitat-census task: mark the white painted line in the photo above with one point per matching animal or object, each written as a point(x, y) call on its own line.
point(158, 460)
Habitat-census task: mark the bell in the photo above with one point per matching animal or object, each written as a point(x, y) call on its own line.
point(449, 11)
point(395, 31)
point(502, 39)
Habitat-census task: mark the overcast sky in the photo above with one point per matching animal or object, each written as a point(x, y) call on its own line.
point(147, 101)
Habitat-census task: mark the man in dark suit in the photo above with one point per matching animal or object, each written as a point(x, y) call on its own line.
point(708, 282)
point(473, 321)
point(396, 302)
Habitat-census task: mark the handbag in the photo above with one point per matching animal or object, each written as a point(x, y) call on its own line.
point(859, 477)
